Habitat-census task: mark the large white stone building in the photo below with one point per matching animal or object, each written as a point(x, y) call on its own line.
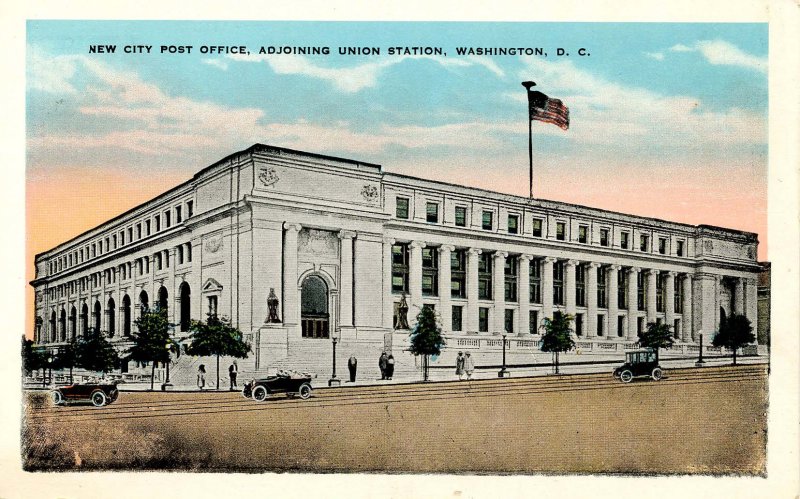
point(339, 241)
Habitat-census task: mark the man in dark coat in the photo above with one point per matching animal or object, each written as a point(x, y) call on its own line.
point(352, 365)
point(382, 363)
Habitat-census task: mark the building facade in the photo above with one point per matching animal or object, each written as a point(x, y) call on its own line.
point(341, 244)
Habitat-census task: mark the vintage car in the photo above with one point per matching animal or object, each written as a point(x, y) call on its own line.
point(289, 382)
point(639, 363)
point(98, 393)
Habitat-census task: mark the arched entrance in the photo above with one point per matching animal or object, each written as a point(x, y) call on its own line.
point(62, 325)
point(111, 317)
point(84, 319)
point(98, 309)
point(144, 302)
point(163, 299)
point(126, 315)
point(73, 320)
point(52, 334)
point(186, 306)
point(314, 315)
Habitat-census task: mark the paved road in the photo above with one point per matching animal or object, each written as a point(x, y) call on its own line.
point(694, 420)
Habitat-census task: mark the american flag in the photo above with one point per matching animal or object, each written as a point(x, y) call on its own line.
point(543, 108)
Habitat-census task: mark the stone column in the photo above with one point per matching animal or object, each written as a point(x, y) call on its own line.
point(388, 297)
point(569, 286)
point(591, 299)
point(707, 310)
point(669, 299)
point(172, 288)
point(346, 278)
point(717, 301)
point(547, 287)
point(291, 293)
point(751, 302)
point(688, 326)
point(415, 280)
point(445, 306)
point(613, 302)
point(738, 297)
point(524, 295)
point(498, 293)
point(652, 284)
point(633, 308)
point(472, 289)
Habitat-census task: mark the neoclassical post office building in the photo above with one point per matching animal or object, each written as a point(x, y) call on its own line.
point(340, 243)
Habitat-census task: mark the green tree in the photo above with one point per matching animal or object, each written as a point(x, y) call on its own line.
point(735, 332)
point(66, 357)
point(426, 338)
point(216, 337)
point(656, 336)
point(33, 358)
point(151, 341)
point(557, 336)
point(93, 352)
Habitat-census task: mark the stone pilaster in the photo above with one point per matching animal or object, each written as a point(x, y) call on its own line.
point(751, 302)
point(445, 275)
point(291, 291)
point(688, 326)
point(591, 299)
point(388, 297)
point(738, 297)
point(633, 307)
point(346, 278)
point(669, 299)
point(569, 286)
point(652, 285)
point(612, 288)
point(472, 289)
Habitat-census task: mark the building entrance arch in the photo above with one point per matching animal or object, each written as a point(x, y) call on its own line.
point(314, 316)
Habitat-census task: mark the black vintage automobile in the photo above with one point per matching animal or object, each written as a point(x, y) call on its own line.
point(639, 363)
point(289, 382)
point(99, 394)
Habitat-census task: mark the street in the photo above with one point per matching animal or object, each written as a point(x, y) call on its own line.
point(710, 420)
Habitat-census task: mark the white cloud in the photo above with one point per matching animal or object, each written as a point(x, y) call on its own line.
point(50, 74)
point(681, 48)
point(217, 63)
point(719, 52)
point(659, 56)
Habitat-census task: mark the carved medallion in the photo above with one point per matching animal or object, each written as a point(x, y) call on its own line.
point(370, 193)
point(213, 244)
point(267, 176)
point(709, 245)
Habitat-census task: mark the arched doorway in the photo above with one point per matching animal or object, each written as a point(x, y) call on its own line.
point(62, 325)
point(186, 306)
point(52, 332)
point(163, 297)
point(111, 317)
point(73, 320)
point(126, 315)
point(84, 319)
point(144, 302)
point(98, 309)
point(314, 307)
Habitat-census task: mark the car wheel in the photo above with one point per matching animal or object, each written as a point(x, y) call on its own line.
point(626, 376)
point(657, 374)
point(260, 393)
point(99, 399)
point(305, 391)
point(57, 398)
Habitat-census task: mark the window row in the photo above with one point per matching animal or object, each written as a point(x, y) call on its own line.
point(121, 238)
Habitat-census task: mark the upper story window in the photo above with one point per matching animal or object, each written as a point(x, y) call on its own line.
point(458, 274)
point(644, 242)
point(487, 220)
point(678, 296)
point(138, 231)
point(641, 296)
point(537, 227)
point(580, 285)
point(583, 234)
point(622, 289)
point(157, 218)
point(602, 301)
point(510, 273)
point(561, 229)
point(603, 237)
point(536, 282)
point(624, 240)
point(461, 216)
point(401, 208)
point(189, 208)
point(432, 213)
point(679, 248)
point(167, 219)
point(178, 215)
point(122, 238)
point(662, 245)
point(660, 282)
point(147, 227)
point(558, 283)
point(485, 276)
point(130, 234)
point(513, 224)
point(400, 268)
point(430, 271)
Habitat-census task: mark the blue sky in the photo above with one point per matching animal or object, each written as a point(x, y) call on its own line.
point(654, 101)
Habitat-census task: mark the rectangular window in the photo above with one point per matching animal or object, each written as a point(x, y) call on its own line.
point(108, 245)
point(537, 227)
point(536, 281)
point(579, 324)
point(558, 283)
point(583, 234)
point(622, 289)
point(561, 229)
point(121, 239)
point(641, 296)
point(400, 268)
point(147, 227)
point(178, 215)
point(644, 242)
point(212, 305)
point(510, 273)
point(487, 222)
point(639, 326)
point(432, 213)
point(662, 245)
point(461, 216)
point(580, 285)
point(620, 326)
point(602, 297)
point(660, 281)
point(623, 240)
point(158, 223)
point(485, 276)
point(189, 252)
point(189, 208)
point(679, 248)
point(430, 272)
point(483, 320)
point(401, 208)
point(601, 323)
point(457, 317)
point(603, 237)
point(167, 219)
point(130, 234)
point(513, 224)
point(533, 326)
point(458, 274)
point(678, 296)
point(508, 322)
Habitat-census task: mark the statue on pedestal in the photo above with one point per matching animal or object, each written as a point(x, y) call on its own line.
point(272, 303)
point(402, 314)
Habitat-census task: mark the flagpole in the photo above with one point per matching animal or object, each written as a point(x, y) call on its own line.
point(528, 85)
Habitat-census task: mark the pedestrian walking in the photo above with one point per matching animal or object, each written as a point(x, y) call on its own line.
point(382, 362)
point(469, 365)
point(352, 365)
point(460, 365)
point(389, 366)
point(201, 377)
point(233, 371)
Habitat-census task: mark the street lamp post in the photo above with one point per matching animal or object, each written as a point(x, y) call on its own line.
point(50, 369)
point(503, 373)
point(700, 360)
point(334, 380)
